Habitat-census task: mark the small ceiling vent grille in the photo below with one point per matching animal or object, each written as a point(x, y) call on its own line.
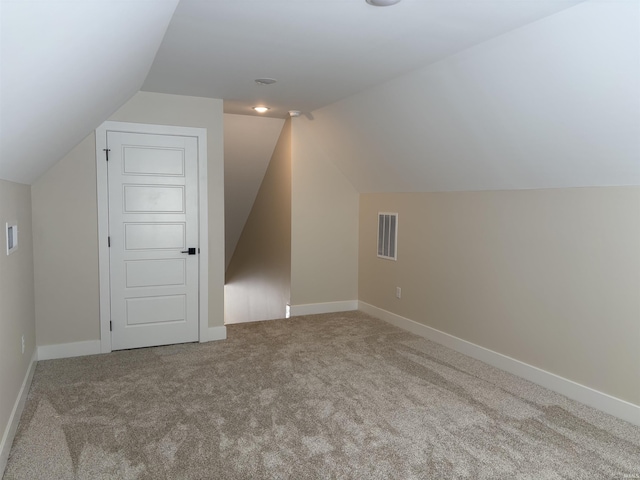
point(388, 235)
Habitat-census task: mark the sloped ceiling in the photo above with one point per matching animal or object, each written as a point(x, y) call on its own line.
point(67, 66)
point(539, 94)
point(319, 51)
point(248, 146)
point(553, 104)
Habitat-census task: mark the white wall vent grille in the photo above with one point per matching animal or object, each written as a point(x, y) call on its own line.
point(388, 235)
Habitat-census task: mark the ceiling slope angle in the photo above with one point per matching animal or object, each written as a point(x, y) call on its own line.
point(66, 67)
point(547, 105)
point(245, 164)
point(320, 51)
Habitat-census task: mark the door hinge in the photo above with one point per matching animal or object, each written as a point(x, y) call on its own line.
point(106, 153)
point(108, 241)
point(110, 326)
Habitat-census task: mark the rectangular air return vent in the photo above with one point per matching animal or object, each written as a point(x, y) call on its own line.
point(387, 235)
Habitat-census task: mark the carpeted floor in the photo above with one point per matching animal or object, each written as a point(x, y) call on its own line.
point(339, 396)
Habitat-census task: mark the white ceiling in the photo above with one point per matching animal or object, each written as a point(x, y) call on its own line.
point(553, 104)
point(66, 66)
point(322, 50)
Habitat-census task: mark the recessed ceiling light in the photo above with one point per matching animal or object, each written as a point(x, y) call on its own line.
point(265, 81)
point(382, 3)
point(295, 113)
point(261, 109)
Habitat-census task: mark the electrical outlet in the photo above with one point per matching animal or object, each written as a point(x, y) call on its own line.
point(398, 292)
point(23, 344)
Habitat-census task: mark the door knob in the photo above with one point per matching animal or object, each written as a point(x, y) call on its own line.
point(190, 251)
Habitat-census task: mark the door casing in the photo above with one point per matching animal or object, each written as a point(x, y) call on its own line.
point(103, 220)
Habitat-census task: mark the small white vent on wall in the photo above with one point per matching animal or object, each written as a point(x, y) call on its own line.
point(388, 235)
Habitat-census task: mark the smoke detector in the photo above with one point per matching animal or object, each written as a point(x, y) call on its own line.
point(265, 81)
point(382, 3)
point(295, 113)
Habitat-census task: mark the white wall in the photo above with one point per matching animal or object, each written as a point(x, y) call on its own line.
point(17, 314)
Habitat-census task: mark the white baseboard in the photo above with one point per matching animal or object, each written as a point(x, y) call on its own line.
point(16, 413)
point(94, 347)
point(217, 333)
point(249, 320)
point(66, 350)
point(581, 393)
point(327, 307)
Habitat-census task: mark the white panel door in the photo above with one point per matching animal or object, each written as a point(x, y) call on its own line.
point(153, 222)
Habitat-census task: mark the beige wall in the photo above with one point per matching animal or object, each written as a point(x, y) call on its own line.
point(548, 277)
point(65, 250)
point(65, 222)
point(245, 163)
point(258, 279)
point(324, 223)
point(17, 315)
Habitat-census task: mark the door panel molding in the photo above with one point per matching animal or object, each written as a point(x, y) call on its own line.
point(103, 218)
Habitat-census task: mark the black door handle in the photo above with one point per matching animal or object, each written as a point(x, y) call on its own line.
point(190, 251)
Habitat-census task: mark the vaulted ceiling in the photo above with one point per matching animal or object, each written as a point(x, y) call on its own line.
point(553, 104)
point(319, 51)
point(67, 65)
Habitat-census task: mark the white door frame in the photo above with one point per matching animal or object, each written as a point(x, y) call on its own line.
point(103, 220)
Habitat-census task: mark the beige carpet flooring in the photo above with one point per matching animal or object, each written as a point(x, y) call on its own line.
point(340, 396)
